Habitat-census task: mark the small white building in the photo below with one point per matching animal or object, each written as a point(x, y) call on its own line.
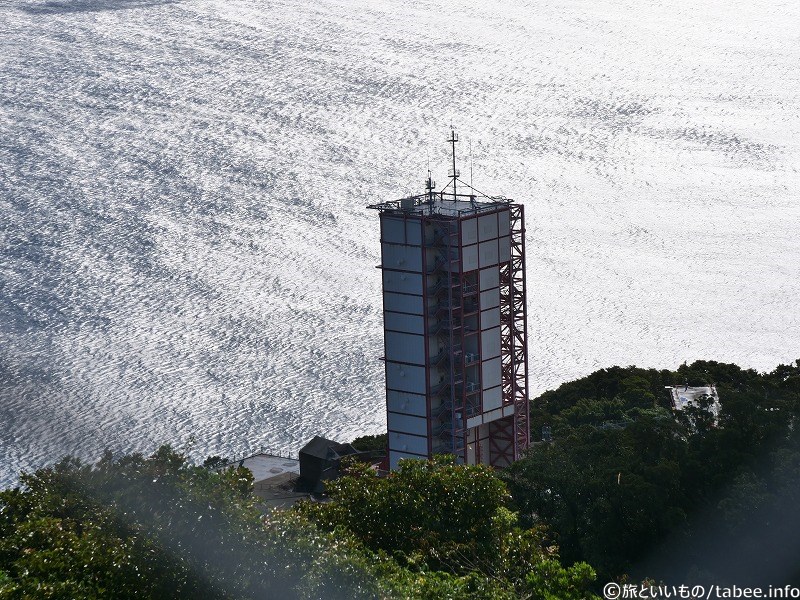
point(684, 396)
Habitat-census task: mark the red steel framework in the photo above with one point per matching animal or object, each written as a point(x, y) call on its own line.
point(514, 338)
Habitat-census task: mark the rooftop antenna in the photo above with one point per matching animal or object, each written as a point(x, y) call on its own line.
point(430, 184)
point(454, 174)
point(472, 193)
point(470, 162)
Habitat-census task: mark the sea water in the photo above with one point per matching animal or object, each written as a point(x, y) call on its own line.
point(185, 253)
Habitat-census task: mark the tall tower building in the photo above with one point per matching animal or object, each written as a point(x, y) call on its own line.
point(453, 265)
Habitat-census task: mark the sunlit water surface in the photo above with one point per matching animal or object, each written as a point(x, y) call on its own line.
point(185, 255)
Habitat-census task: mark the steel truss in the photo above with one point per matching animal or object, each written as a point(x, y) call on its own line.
point(514, 340)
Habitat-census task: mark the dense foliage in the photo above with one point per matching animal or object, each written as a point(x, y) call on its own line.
point(630, 489)
point(371, 443)
point(437, 516)
point(159, 527)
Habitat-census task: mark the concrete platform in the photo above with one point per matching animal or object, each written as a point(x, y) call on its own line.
point(275, 478)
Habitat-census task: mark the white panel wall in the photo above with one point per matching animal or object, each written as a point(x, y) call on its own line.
point(403, 303)
point(469, 232)
point(490, 318)
point(408, 443)
point(490, 343)
point(492, 399)
point(474, 421)
point(394, 458)
point(469, 258)
point(406, 403)
point(487, 253)
point(490, 373)
point(490, 278)
point(414, 232)
point(405, 323)
point(504, 252)
point(392, 230)
point(493, 415)
point(407, 424)
point(483, 433)
point(405, 378)
point(487, 227)
point(395, 256)
point(490, 299)
point(471, 446)
point(504, 223)
point(429, 233)
point(405, 347)
point(407, 283)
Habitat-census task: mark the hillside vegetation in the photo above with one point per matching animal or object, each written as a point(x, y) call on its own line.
point(632, 490)
point(623, 486)
point(158, 527)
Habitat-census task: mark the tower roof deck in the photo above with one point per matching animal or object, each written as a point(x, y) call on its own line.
point(442, 204)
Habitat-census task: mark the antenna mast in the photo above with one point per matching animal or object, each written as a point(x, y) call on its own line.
point(454, 174)
point(470, 163)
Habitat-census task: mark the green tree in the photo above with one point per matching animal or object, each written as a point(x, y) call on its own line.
point(438, 516)
point(371, 443)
